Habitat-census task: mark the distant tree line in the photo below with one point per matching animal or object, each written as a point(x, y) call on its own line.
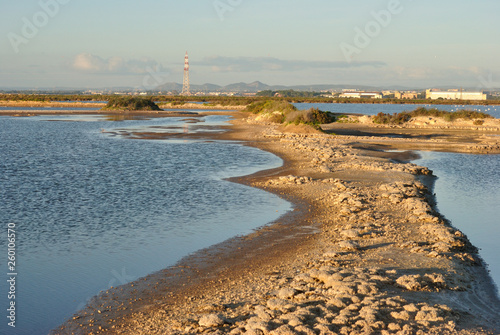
point(289, 94)
point(312, 97)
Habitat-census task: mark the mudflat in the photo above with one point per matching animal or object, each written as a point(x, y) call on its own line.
point(363, 252)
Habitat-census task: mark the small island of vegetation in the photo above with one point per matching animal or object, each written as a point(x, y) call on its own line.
point(131, 104)
point(403, 117)
point(284, 112)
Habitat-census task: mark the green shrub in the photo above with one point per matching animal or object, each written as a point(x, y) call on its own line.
point(311, 116)
point(323, 117)
point(131, 104)
point(396, 118)
point(256, 107)
point(283, 112)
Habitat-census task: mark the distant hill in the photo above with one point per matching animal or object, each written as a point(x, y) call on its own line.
point(169, 87)
point(207, 87)
point(243, 87)
point(257, 86)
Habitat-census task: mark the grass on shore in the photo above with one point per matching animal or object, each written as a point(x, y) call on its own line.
point(403, 117)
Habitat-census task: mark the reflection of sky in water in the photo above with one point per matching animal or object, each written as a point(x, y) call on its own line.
point(73, 118)
point(190, 124)
point(468, 194)
point(93, 211)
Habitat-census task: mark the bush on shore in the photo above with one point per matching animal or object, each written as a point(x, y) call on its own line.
point(131, 104)
point(403, 117)
point(284, 112)
point(311, 116)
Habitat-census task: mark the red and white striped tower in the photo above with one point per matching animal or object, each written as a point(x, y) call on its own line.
point(185, 82)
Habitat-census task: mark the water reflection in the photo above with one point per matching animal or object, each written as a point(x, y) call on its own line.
point(125, 117)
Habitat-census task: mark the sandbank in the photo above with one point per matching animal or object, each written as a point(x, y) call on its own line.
point(363, 252)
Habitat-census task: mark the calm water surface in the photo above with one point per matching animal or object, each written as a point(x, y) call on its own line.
point(468, 194)
point(94, 211)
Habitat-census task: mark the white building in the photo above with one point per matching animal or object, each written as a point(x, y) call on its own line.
point(455, 95)
point(356, 94)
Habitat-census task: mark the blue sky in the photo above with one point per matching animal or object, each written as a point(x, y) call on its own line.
point(76, 43)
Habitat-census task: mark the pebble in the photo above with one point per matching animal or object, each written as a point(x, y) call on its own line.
point(211, 320)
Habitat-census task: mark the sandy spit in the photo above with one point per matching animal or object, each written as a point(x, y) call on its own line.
point(363, 252)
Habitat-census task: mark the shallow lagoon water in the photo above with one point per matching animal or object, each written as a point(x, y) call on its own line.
point(94, 211)
point(468, 193)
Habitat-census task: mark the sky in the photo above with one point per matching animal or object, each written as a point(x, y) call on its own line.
point(141, 44)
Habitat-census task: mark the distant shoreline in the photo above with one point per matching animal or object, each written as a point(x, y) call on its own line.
point(183, 103)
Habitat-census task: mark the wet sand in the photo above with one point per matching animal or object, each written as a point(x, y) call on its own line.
point(363, 252)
